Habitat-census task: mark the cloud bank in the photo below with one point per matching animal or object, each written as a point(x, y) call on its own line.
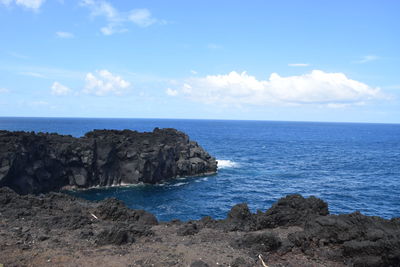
point(317, 87)
point(104, 83)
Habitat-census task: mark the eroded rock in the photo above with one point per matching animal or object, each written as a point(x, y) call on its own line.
point(292, 210)
point(41, 162)
point(363, 240)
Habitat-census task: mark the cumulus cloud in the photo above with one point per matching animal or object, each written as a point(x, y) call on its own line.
point(317, 87)
point(31, 4)
point(298, 64)
point(171, 92)
point(65, 35)
point(117, 20)
point(59, 89)
point(104, 82)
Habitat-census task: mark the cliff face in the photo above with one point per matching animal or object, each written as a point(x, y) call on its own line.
point(36, 163)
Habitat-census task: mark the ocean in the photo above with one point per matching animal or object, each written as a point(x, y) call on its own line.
point(352, 166)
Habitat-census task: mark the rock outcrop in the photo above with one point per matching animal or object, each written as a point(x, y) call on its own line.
point(292, 210)
point(35, 229)
point(42, 162)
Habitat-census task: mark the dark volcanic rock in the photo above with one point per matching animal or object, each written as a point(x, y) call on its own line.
point(113, 209)
point(292, 210)
point(240, 218)
point(257, 243)
point(36, 163)
point(188, 229)
point(28, 222)
point(120, 234)
point(362, 240)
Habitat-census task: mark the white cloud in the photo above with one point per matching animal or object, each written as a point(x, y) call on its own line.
point(366, 59)
point(4, 90)
point(171, 92)
point(59, 89)
point(31, 4)
point(117, 20)
point(298, 65)
point(104, 82)
point(65, 35)
point(33, 74)
point(193, 72)
point(101, 8)
point(317, 87)
point(142, 17)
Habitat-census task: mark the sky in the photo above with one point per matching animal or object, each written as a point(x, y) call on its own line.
point(333, 61)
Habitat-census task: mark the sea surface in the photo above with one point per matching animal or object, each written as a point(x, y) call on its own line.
point(351, 166)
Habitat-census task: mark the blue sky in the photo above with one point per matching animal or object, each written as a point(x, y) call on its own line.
point(260, 60)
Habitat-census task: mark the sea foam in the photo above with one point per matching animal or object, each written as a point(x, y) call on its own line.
point(226, 163)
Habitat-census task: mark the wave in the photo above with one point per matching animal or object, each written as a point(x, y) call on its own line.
point(226, 163)
point(178, 184)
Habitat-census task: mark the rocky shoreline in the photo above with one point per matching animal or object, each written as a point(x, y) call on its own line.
point(42, 162)
point(56, 229)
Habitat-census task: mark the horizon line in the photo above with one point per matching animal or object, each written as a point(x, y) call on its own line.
point(198, 119)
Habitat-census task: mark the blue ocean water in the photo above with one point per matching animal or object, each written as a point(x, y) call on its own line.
point(351, 166)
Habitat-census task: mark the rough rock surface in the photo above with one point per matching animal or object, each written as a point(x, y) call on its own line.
point(55, 229)
point(292, 210)
point(360, 240)
point(41, 162)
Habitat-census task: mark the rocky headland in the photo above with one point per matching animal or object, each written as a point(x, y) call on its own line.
point(39, 227)
point(56, 229)
point(42, 162)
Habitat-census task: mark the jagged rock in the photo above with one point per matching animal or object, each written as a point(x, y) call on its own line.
point(364, 240)
point(188, 229)
point(42, 162)
point(292, 210)
point(115, 210)
point(60, 220)
point(239, 218)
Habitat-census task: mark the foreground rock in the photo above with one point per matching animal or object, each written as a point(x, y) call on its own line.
point(38, 163)
point(59, 230)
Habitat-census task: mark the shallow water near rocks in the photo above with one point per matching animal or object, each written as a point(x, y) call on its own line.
point(351, 166)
